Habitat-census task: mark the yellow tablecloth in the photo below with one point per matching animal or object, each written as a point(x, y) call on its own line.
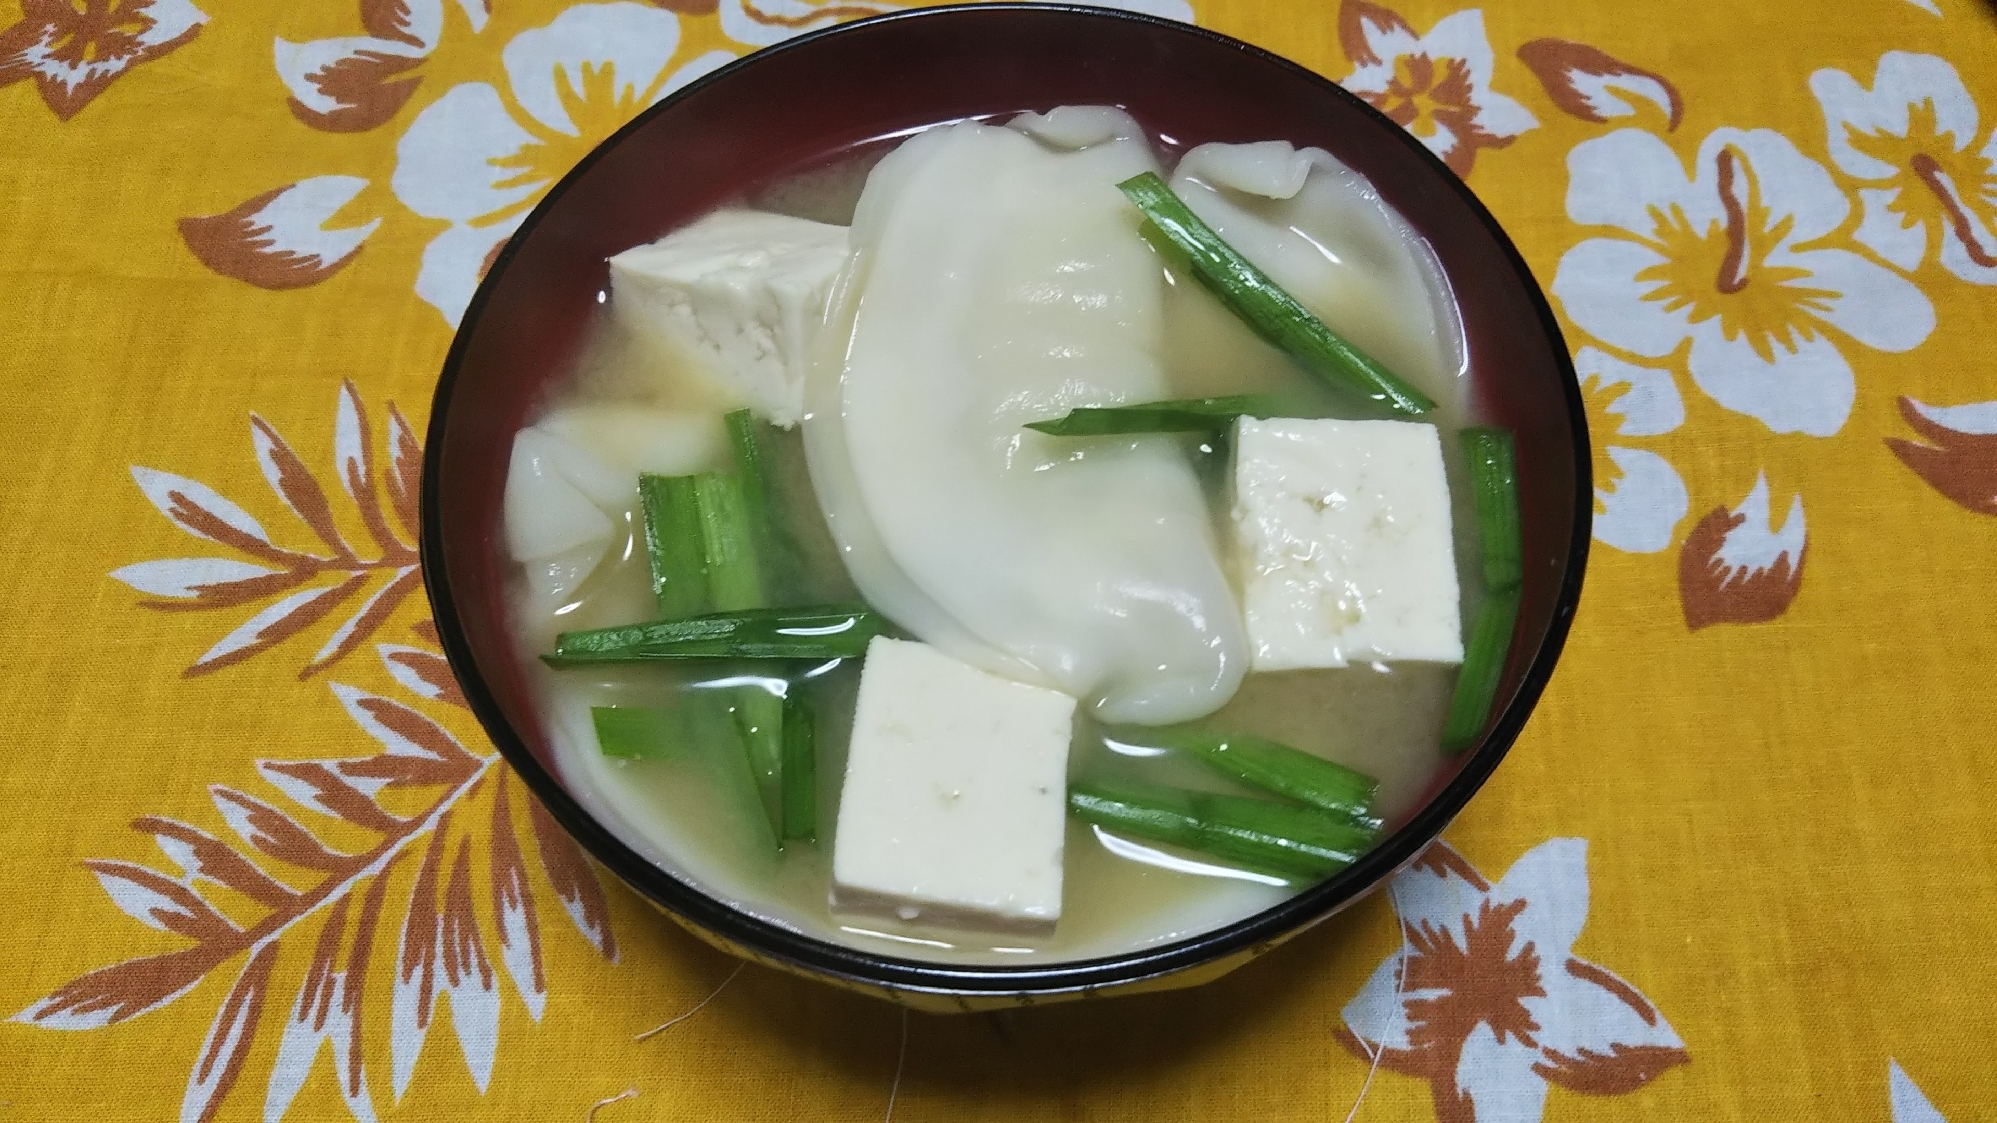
point(259, 862)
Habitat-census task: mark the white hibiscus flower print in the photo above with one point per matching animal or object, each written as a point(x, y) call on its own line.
point(759, 23)
point(1437, 86)
point(1931, 168)
point(480, 157)
point(1726, 263)
point(1639, 497)
point(1486, 1000)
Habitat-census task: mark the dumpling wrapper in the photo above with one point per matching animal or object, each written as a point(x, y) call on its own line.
point(561, 506)
point(642, 439)
point(999, 279)
point(1321, 231)
point(574, 479)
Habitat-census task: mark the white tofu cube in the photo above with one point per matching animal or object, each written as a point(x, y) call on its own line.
point(955, 805)
point(743, 291)
point(1343, 529)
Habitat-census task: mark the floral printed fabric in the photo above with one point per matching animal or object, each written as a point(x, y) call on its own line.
point(261, 865)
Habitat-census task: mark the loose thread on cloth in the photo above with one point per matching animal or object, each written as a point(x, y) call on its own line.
point(901, 1054)
point(632, 1093)
point(626, 1094)
point(1375, 1049)
point(702, 1005)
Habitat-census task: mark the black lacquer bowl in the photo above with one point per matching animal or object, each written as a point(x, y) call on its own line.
point(800, 104)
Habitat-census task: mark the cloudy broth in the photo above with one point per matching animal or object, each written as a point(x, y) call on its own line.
point(695, 812)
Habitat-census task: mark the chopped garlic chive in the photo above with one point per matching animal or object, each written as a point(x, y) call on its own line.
point(1494, 481)
point(673, 544)
point(1188, 415)
point(1274, 313)
point(633, 733)
point(750, 438)
point(1274, 767)
point(837, 631)
point(759, 721)
point(800, 762)
point(1279, 838)
point(1483, 667)
point(728, 538)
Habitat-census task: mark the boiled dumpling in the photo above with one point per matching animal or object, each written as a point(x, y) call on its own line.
point(999, 279)
point(1322, 232)
point(559, 506)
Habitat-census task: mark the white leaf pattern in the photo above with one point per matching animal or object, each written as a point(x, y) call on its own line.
point(51, 1013)
point(281, 239)
point(468, 973)
point(307, 69)
point(221, 1054)
point(350, 441)
point(268, 620)
point(398, 584)
point(285, 777)
point(316, 1021)
point(406, 675)
point(171, 494)
point(267, 444)
point(155, 900)
point(183, 578)
point(413, 999)
point(513, 906)
point(357, 703)
point(516, 950)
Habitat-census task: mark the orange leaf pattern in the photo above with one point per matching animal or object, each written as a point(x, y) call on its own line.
point(298, 579)
point(279, 239)
point(1959, 458)
point(354, 84)
point(1596, 86)
point(298, 880)
point(1736, 567)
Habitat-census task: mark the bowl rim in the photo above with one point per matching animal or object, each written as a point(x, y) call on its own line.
point(694, 905)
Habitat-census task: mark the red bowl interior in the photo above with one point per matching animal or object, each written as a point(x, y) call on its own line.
point(788, 108)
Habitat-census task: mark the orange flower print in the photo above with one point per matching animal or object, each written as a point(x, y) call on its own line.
point(1437, 86)
point(1487, 1004)
point(73, 49)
